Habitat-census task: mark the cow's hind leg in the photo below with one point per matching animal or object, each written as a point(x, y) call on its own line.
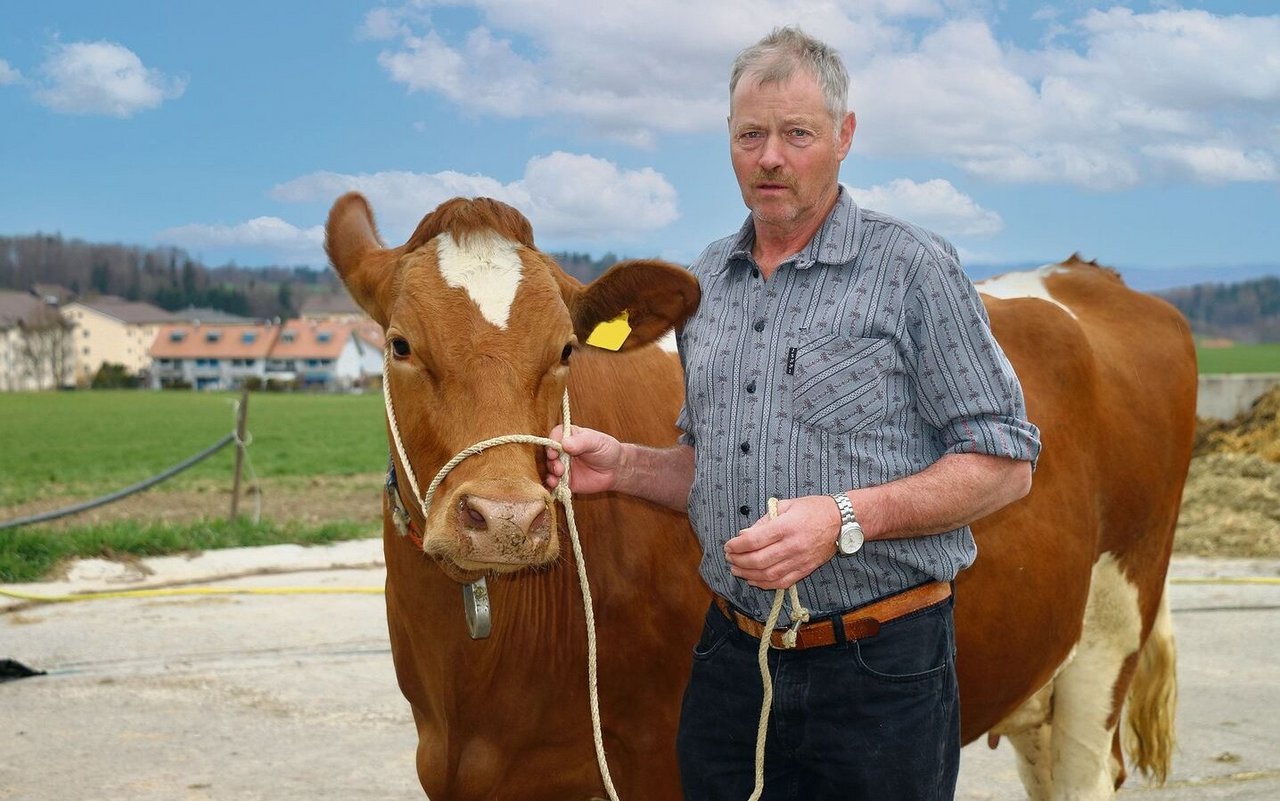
point(1088, 691)
point(1030, 731)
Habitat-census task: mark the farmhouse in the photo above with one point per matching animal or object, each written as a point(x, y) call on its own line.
point(296, 352)
point(210, 356)
point(112, 329)
point(330, 355)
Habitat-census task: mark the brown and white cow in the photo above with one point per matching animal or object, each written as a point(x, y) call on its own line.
point(1064, 612)
point(1052, 618)
point(483, 333)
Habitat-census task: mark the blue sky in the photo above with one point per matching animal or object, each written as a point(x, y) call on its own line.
point(1143, 134)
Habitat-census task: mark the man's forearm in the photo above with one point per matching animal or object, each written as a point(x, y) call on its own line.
point(953, 492)
point(661, 475)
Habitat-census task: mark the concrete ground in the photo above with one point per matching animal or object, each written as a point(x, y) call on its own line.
point(288, 694)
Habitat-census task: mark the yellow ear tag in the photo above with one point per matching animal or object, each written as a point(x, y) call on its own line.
point(612, 333)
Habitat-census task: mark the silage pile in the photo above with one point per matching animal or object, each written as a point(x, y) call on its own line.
point(1231, 503)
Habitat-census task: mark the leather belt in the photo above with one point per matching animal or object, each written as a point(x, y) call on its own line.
point(858, 624)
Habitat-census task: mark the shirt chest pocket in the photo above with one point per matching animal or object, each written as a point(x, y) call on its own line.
point(841, 384)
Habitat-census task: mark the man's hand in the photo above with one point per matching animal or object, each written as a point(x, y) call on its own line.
point(775, 553)
point(596, 458)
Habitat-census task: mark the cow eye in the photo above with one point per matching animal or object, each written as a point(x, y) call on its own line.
point(400, 347)
point(566, 353)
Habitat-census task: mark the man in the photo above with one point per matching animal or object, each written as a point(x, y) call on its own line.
point(841, 362)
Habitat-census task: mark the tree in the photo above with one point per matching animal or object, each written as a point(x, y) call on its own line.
point(45, 349)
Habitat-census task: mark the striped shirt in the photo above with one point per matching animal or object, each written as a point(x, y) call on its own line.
point(863, 359)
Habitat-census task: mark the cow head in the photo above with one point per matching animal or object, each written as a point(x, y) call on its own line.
point(481, 329)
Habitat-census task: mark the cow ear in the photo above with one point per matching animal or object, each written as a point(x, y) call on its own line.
point(656, 296)
point(357, 253)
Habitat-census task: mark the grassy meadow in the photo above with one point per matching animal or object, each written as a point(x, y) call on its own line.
point(88, 443)
point(58, 447)
point(1263, 358)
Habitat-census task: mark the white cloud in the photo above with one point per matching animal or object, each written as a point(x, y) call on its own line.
point(295, 244)
point(934, 204)
point(102, 78)
point(564, 195)
point(1101, 102)
point(8, 74)
point(1211, 163)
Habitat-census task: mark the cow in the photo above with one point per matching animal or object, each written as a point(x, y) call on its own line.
point(484, 332)
point(1064, 613)
point(1060, 619)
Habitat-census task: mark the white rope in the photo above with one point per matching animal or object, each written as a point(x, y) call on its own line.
point(565, 496)
point(798, 615)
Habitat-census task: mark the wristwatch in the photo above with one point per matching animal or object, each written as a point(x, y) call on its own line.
point(850, 540)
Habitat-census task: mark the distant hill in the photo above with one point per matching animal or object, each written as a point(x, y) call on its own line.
point(1247, 311)
point(169, 278)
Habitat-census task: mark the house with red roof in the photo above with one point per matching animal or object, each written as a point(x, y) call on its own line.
point(301, 353)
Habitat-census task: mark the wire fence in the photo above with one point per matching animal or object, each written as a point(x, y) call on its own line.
point(239, 436)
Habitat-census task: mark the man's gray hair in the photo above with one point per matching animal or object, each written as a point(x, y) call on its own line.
point(775, 58)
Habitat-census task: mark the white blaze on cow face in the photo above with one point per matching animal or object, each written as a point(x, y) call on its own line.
point(487, 267)
point(1028, 284)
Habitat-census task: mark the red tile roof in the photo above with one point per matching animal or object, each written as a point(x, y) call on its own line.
point(189, 341)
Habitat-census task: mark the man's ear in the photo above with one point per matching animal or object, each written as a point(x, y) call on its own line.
point(357, 253)
point(656, 296)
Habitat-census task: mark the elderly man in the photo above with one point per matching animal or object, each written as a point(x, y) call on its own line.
point(841, 362)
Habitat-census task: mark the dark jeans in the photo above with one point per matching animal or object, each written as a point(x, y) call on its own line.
point(870, 720)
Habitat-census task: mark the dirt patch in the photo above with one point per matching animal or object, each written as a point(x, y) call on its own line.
point(1230, 507)
point(1231, 502)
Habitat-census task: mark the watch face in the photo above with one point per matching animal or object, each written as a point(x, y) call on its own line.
point(850, 539)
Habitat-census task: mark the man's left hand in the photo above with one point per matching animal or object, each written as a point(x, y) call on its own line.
point(775, 553)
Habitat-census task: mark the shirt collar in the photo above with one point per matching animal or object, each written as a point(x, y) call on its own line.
point(835, 243)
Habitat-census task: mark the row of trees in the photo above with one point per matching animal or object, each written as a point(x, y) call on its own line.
point(1248, 311)
point(169, 278)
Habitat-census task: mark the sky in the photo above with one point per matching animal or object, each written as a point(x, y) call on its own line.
point(1145, 135)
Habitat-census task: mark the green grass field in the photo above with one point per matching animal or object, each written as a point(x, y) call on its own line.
point(55, 445)
point(84, 443)
point(1240, 359)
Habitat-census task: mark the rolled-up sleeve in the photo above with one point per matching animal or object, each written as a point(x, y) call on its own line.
point(966, 388)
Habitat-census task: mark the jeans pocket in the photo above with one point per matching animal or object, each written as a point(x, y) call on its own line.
point(915, 648)
point(715, 633)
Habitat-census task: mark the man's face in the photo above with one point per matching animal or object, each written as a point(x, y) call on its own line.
point(786, 149)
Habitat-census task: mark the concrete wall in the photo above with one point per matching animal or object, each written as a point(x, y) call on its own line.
point(1222, 397)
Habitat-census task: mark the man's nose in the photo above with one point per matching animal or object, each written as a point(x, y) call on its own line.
point(771, 154)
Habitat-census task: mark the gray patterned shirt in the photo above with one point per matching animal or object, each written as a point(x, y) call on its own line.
point(863, 359)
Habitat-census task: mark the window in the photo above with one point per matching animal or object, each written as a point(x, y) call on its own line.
point(289, 336)
point(248, 336)
point(212, 336)
point(174, 336)
point(324, 336)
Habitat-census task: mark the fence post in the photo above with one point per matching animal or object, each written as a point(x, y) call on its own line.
point(241, 417)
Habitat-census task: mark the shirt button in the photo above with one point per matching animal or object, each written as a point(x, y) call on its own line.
point(755, 273)
point(746, 447)
point(751, 388)
point(745, 511)
point(759, 326)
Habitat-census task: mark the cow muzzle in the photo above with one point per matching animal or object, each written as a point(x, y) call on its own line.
point(496, 530)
